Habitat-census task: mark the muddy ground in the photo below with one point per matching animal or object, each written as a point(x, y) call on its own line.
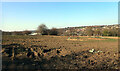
point(59, 52)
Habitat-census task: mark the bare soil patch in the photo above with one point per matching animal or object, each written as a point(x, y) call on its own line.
point(53, 52)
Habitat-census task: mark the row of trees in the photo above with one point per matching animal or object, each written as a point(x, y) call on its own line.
point(43, 30)
point(26, 32)
point(89, 31)
point(102, 32)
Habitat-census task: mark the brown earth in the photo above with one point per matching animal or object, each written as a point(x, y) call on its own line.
point(96, 39)
point(57, 52)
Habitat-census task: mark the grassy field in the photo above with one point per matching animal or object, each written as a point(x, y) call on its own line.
point(59, 52)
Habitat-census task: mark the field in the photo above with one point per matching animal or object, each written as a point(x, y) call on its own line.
point(59, 52)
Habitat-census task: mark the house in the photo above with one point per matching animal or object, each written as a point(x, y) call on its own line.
point(33, 34)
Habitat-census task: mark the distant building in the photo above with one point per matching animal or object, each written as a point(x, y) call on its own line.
point(33, 34)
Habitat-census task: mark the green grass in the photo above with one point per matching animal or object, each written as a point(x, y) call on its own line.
point(112, 39)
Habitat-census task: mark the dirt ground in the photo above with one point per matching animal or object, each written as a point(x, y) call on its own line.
point(59, 52)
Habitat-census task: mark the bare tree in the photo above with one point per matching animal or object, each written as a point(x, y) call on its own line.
point(106, 32)
point(97, 32)
point(72, 31)
point(89, 31)
point(42, 29)
point(61, 31)
point(26, 32)
point(53, 31)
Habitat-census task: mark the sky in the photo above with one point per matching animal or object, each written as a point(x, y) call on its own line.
point(19, 16)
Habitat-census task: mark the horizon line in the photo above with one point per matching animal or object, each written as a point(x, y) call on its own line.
point(63, 27)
